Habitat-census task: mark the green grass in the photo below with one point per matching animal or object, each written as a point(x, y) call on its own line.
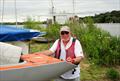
point(89, 71)
point(92, 72)
point(37, 47)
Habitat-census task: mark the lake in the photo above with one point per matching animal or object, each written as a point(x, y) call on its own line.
point(113, 28)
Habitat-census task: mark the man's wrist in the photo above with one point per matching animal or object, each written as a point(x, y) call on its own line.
point(75, 62)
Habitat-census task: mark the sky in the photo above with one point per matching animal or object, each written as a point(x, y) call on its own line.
point(42, 9)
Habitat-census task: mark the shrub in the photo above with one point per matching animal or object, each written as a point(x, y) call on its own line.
point(32, 24)
point(53, 31)
point(98, 45)
point(113, 74)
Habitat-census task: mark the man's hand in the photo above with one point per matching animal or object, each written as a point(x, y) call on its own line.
point(75, 61)
point(69, 59)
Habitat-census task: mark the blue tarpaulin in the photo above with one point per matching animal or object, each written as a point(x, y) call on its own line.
point(8, 33)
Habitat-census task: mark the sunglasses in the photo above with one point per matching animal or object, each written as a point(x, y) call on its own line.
point(64, 32)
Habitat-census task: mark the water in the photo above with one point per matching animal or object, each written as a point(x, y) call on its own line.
point(113, 28)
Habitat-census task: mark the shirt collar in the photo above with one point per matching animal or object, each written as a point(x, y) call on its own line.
point(68, 44)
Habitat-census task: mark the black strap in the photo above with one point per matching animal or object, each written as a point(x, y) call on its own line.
point(73, 40)
point(73, 71)
point(21, 60)
point(59, 41)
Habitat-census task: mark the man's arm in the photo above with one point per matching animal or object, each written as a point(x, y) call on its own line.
point(77, 60)
point(47, 52)
point(78, 52)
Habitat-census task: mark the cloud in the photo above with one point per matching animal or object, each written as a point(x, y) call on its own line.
point(40, 7)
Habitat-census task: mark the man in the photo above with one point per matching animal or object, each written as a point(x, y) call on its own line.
point(68, 49)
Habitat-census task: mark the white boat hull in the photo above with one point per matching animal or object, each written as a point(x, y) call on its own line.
point(36, 73)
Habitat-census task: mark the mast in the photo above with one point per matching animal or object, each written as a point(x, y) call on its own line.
point(52, 12)
point(15, 12)
point(52, 7)
point(2, 12)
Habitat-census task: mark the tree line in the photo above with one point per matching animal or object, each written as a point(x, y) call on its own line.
point(108, 17)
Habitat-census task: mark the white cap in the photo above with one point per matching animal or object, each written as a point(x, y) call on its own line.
point(65, 28)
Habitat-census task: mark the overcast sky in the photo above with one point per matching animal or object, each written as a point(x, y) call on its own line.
point(44, 7)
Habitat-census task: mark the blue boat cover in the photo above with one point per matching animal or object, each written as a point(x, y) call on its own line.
point(8, 33)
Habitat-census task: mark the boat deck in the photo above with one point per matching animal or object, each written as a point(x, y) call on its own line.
point(32, 60)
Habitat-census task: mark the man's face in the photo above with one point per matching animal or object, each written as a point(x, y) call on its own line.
point(65, 35)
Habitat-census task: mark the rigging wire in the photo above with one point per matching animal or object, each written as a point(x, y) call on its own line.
point(73, 7)
point(2, 12)
point(52, 7)
point(15, 12)
point(52, 11)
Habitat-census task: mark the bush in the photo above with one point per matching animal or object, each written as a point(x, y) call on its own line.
point(113, 74)
point(53, 31)
point(98, 45)
point(32, 24)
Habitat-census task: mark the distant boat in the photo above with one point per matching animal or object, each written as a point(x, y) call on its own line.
point(9, 33)
point(18, 36)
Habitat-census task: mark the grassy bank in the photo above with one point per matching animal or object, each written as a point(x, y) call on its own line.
point(89, 72)
point(101, 50)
